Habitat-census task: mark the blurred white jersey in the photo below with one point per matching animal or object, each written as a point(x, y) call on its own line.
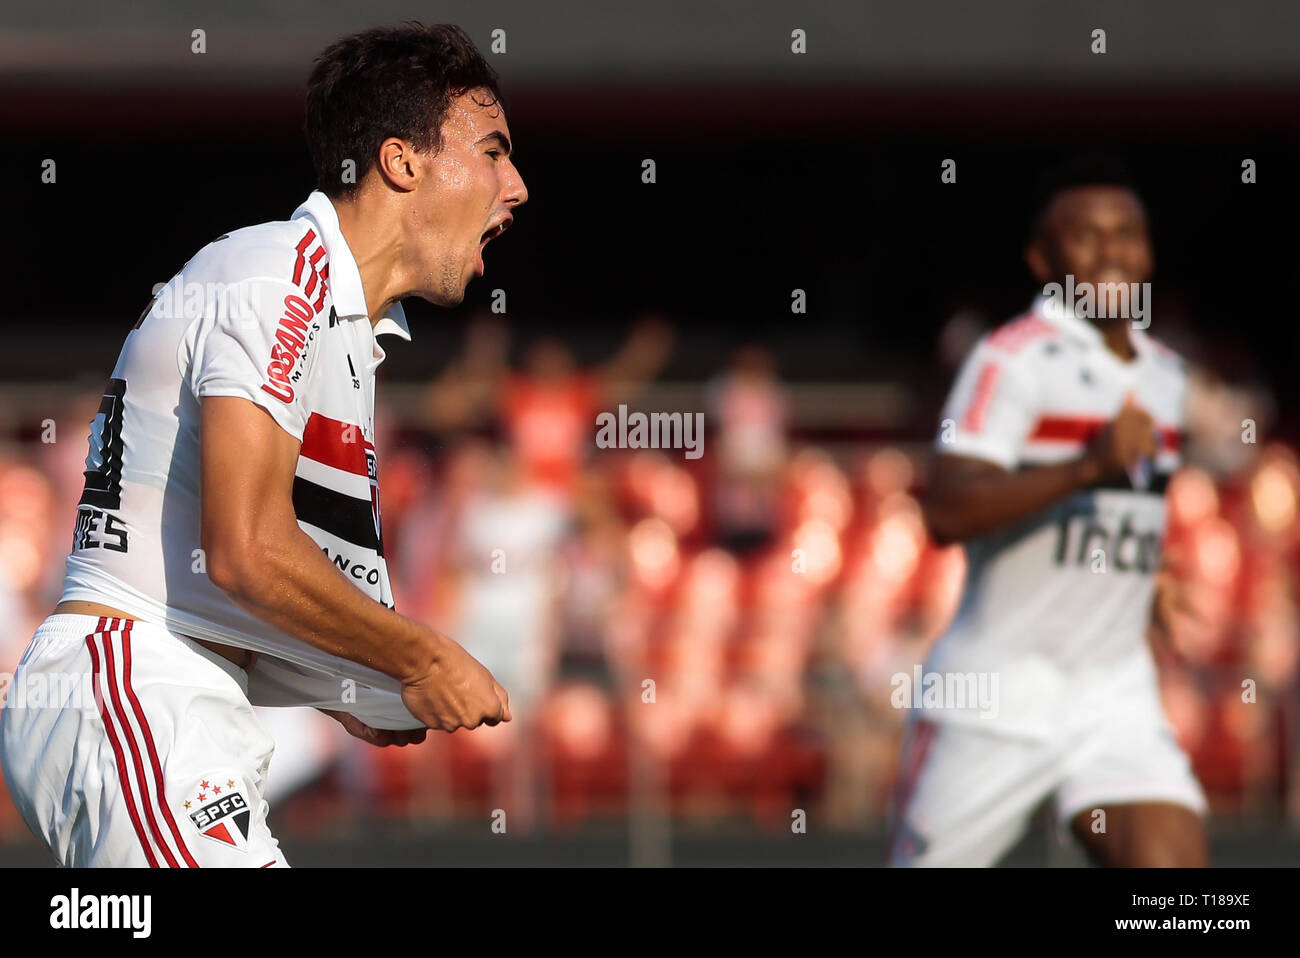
point(1058, 603)
point(274, 314)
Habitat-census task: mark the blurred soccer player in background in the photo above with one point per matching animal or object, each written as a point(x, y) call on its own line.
point(1057, 442)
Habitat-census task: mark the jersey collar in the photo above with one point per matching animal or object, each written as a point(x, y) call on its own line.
point(1052, 310)
point(345, 279)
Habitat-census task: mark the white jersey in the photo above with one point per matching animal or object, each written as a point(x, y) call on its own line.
point(274, 314)
point(1057, 605)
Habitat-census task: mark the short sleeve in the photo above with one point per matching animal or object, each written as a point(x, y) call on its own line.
point(262, 348)
point(990, 410)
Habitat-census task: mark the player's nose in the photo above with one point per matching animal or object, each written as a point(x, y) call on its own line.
point(1115, 252)
point(514, 193)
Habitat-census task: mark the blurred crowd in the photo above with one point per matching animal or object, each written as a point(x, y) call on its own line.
point(709, 639)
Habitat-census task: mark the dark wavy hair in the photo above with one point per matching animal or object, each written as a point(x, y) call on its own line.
point(382, 82)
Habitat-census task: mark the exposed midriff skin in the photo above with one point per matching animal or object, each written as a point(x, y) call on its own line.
point(240, 657)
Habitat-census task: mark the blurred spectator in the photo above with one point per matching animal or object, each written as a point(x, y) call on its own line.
point(549, 408)
point(594, 569)
point(464, 395)
point(751, 411)
point(505, 548)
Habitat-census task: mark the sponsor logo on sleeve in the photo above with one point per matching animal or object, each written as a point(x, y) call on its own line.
point(294, 336)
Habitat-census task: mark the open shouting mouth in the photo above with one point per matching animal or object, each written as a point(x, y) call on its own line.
point(489, 235)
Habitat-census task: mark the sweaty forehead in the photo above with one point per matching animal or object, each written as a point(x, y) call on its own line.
point(474, 114)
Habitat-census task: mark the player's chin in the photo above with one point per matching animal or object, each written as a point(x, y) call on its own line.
point(445, 298)
point(467, 278)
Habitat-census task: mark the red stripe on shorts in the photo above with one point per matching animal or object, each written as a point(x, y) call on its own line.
point(123, 773)
point(131, 742)
point(148, 741)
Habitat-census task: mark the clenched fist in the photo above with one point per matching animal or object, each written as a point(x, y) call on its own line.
point(455, 691)
point(1127, 438)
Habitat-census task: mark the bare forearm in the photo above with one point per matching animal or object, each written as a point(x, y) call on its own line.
point(973, 505)
point(259, 556)
point(293, 586)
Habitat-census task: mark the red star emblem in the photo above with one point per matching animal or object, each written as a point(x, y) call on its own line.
point(202, 796)
point(204, 785)
point(216, 789)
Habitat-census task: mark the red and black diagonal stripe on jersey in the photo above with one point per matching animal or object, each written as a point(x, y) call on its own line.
point(341, 446)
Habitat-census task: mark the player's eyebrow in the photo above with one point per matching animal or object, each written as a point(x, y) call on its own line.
point(501, 139)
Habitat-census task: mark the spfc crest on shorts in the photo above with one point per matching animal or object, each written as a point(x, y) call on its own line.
point(220, 811)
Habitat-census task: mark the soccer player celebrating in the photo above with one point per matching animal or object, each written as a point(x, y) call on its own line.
point(228, 550)
point(1056, 445)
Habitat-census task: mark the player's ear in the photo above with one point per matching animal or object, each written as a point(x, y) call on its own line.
point(398, 164)
point(1150, 265)
point(1037, 261)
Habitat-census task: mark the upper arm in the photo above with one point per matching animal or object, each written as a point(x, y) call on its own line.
point(948, 471)
point(986, 421)
point(991, 409)
point(265, 351)
point(942, 507)
point(250, 372)
point(247, 470)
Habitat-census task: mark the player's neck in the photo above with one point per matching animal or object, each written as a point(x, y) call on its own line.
point(375, 243)
point(1115, 333)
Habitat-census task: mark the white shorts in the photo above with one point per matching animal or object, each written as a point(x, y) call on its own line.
point(124, 744)
point(967, 794)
